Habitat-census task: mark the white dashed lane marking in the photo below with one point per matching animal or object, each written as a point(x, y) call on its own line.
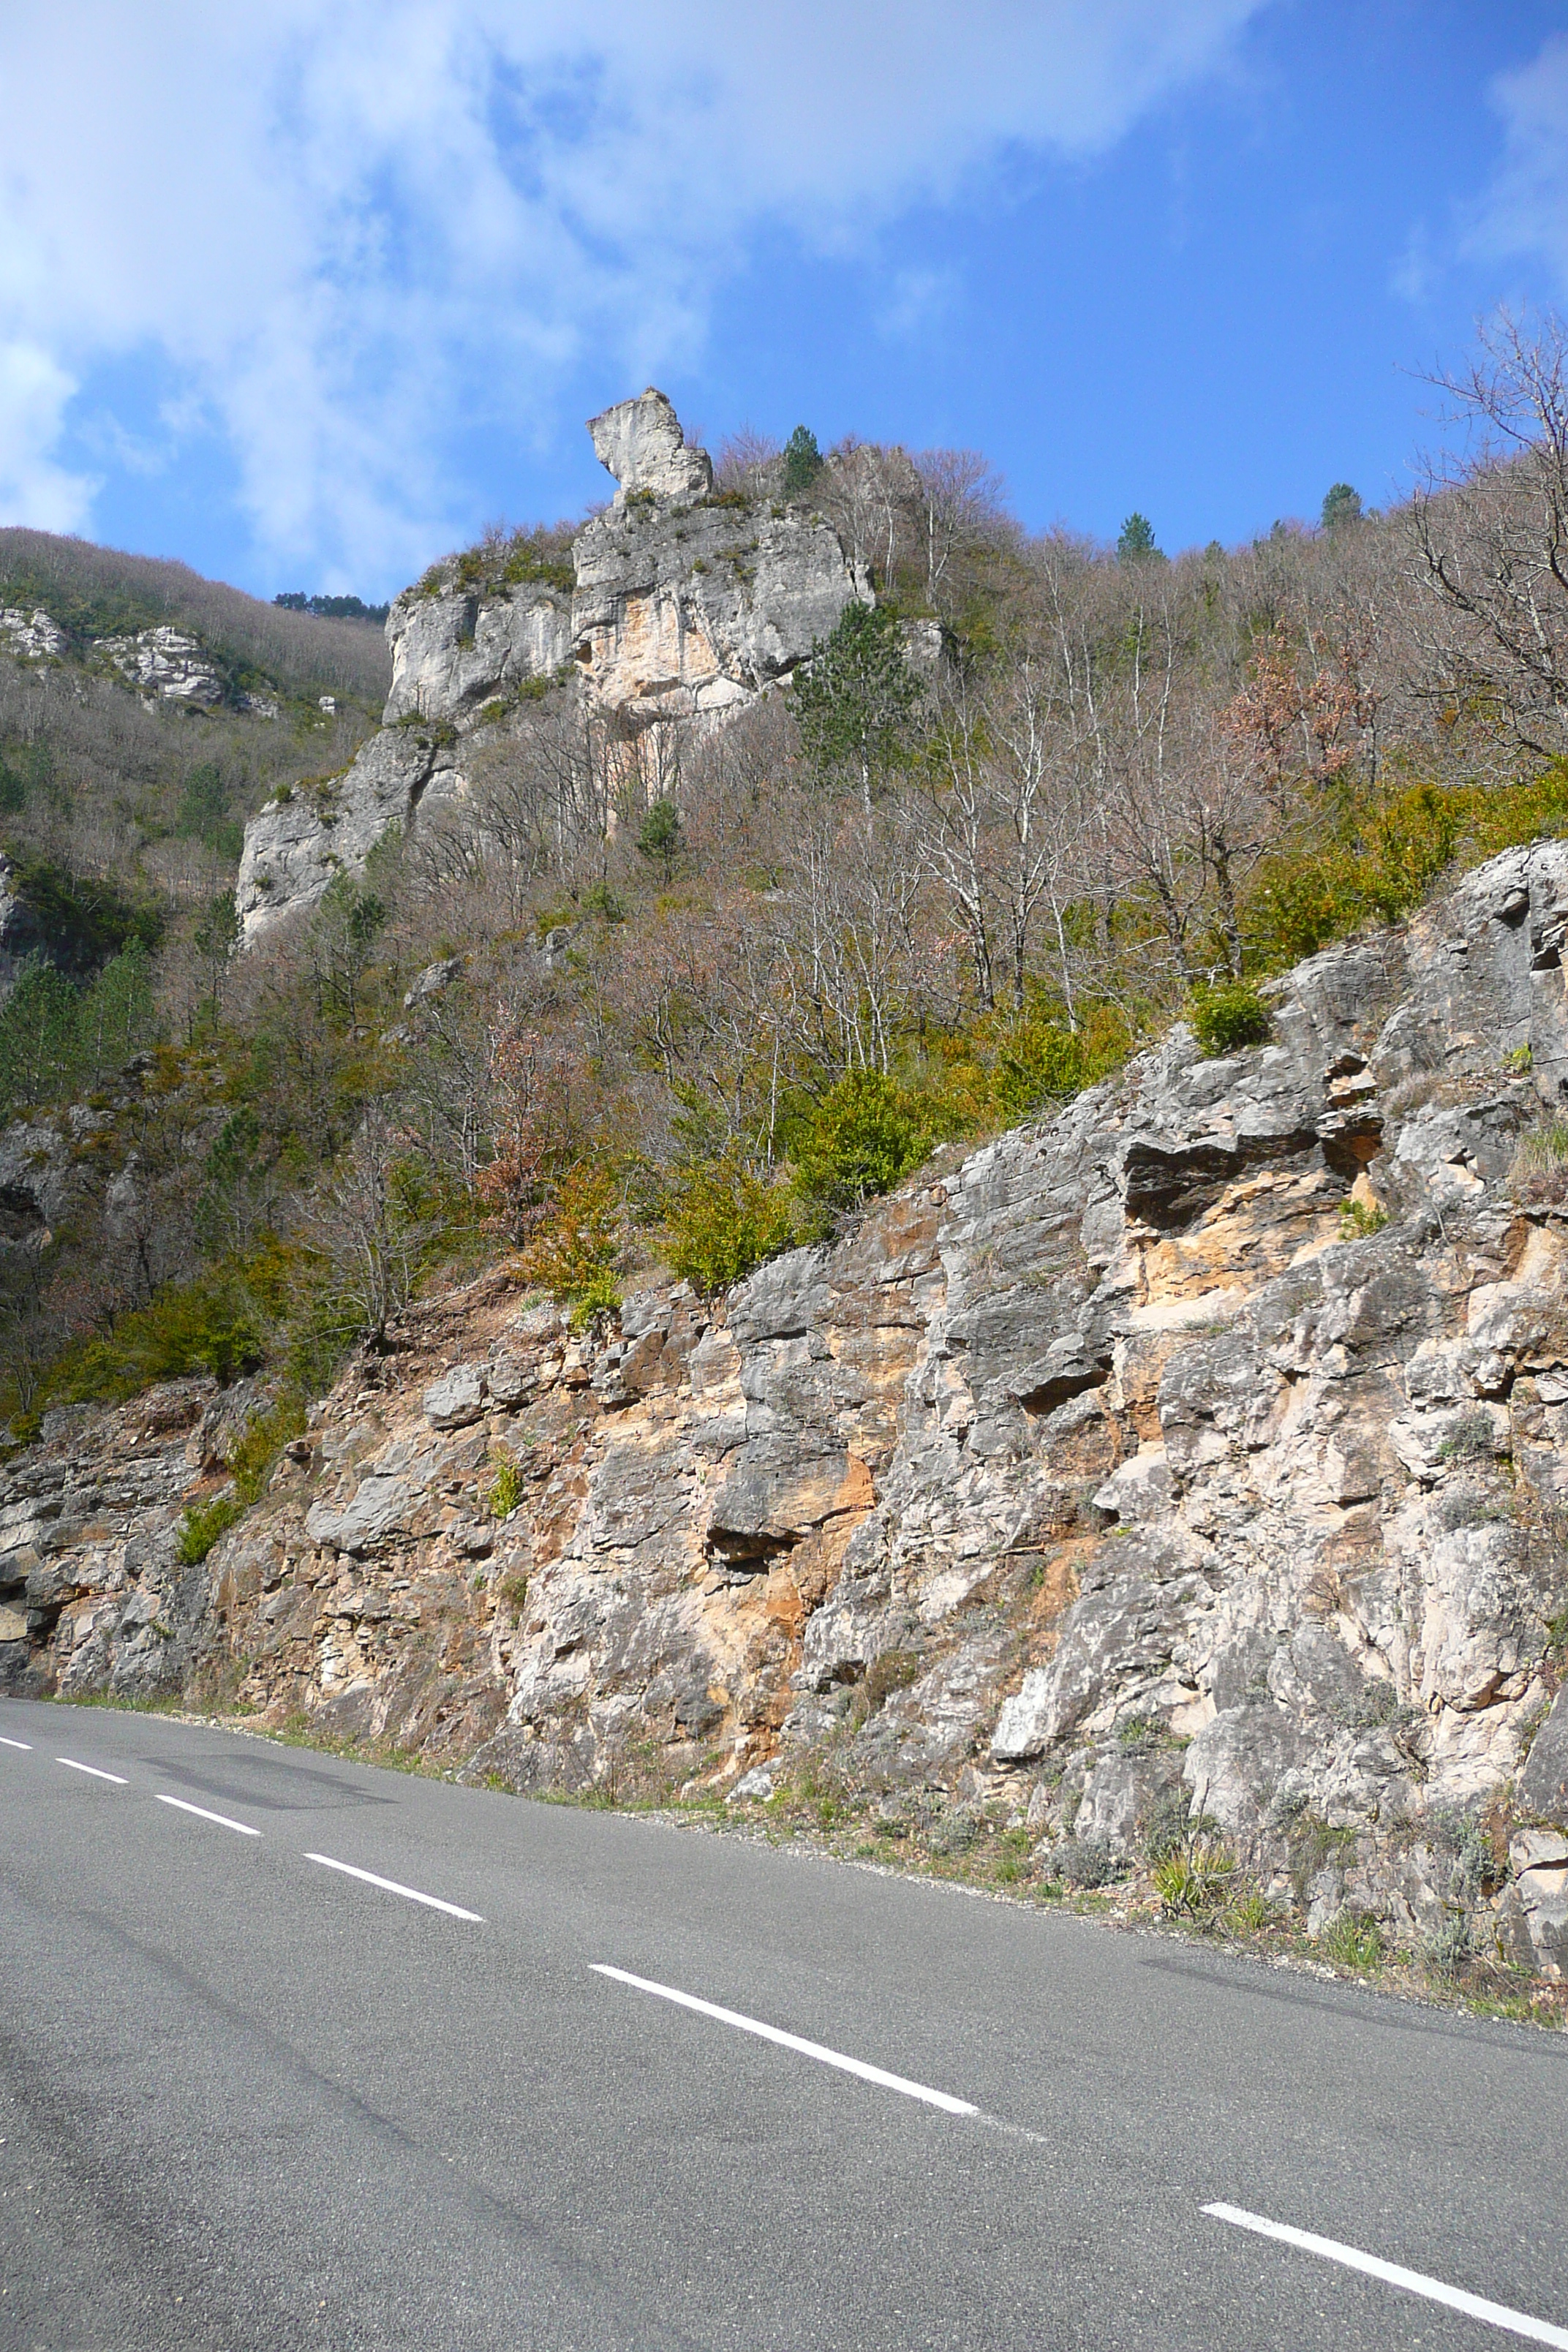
point(876, 2075)
point(392, 1887)
point(24, 1744)
point(202, 1814)
point(71, 1765)
point(1475, 2306)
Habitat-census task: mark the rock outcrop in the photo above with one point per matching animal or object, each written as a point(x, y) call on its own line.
point(166, 665)
point(33, 636)
point(1195, 1453)
point(682, 607)
point(641, 443)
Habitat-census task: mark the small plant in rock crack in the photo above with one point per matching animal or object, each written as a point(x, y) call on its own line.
point(1449, 1945)
point(1469, 1506)
point(505, 1491)
point(1357, 1223)
point(890, 1670)
point(1372, 1707)
point(1352, 1942)
point(513, 1590)
point(1196, 1880)
point(1539, 1176)
point(1136, 1730)
point(1468, 1439)
point(1228, 1018)
point(201, 1526)
point(1475, 1865)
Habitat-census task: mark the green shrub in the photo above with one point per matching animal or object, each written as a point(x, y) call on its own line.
point(213, 1325)
point(505, 1491)
point(1043, 1061)
point(1227, 1018)
point(576, 1254)
point(201, 1526)
point(858, 1140)
point(263, 1438)
point(1357, 1223)
point(723, 1222)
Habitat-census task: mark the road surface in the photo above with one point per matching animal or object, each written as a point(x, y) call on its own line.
point(300, 2053)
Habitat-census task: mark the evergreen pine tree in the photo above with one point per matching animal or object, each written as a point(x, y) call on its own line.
point(1136, 544)
point(802, 462)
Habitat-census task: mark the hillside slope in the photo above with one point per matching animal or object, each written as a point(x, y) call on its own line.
point(146, 712)
point(1184, 1467)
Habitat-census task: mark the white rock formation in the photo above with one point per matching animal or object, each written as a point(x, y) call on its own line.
point(1106, 1478)
point(454, 651)
point(685, 608)
point(33, 636)
point(641, 443)
point(166, 664)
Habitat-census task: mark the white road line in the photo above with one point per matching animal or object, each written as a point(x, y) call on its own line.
point(1475, 2306)
point(117, 1778)
point(202, 1814)
point(452, 1910)
point(793, 2042)
point(25, 1745)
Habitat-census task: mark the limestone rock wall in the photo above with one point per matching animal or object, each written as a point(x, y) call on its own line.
point(686, 608)
point(1107, 1471)
point(454, 652)
point(689, 613)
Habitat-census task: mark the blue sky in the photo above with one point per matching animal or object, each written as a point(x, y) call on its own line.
point(306, 294)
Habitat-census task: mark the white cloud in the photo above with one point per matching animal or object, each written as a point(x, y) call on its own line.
point(350, 227)
point(1525, 210)
point(33, 395)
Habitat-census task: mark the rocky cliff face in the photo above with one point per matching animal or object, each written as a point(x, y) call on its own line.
point(1127, 1468)
point(685, 607)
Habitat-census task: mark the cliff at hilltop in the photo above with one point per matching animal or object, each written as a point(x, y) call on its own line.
point(678, 604)
point(1126, 1470)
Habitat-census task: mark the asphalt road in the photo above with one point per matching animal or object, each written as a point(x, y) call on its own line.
point(250, 2102)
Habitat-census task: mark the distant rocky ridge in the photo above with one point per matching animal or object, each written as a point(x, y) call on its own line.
point(1194, 1454)
point(163, 664)
point(685, 606)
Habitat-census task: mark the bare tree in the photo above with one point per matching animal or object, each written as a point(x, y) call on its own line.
point(1488, 538)
point(370, 1224)
point(742, 456)
point(962, 500)
point(1013, 811)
